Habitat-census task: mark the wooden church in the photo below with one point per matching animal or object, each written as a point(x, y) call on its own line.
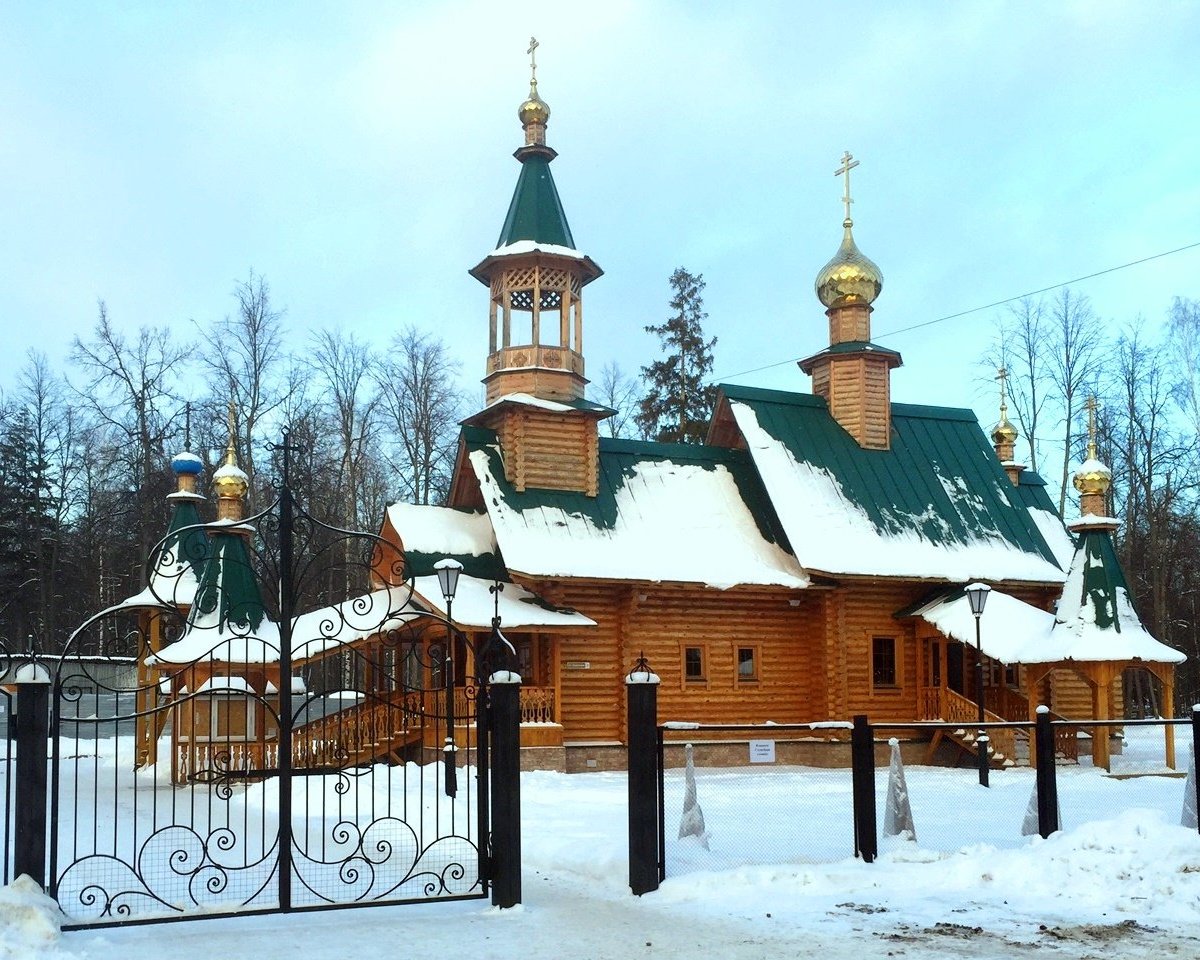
point(805, 564)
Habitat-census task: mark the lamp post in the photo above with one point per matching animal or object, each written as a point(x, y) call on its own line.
point(447, 573)
point(977, 594)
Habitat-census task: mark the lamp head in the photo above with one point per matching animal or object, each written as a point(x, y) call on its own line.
point(447, 573)
point(977, 594)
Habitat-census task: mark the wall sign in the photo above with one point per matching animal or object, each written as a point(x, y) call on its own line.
point(578, 665)
point(762, 751)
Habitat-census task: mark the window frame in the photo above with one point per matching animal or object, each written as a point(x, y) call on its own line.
point(705, 678)
point(897, 680)
point(756, 655)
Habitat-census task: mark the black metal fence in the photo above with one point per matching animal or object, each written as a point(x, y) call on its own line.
point(307, 755)
point(717, 803)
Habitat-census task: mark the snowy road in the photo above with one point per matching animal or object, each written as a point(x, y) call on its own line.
point(1122, 881)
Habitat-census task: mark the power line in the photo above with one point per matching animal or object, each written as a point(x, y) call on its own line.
point(987, 306)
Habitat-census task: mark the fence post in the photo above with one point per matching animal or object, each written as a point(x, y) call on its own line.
point(32, 730)
point(1196, 753)
point(643, 765)
point(505, 727)
point(862, 757)
point(1047, 782)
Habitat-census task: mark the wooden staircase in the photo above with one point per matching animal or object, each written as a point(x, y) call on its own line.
point(1006, 748)
point(379, 728)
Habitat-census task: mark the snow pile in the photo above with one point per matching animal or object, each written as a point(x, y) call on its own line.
point(29, 922)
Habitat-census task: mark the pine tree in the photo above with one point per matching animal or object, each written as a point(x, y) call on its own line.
point(677, 403)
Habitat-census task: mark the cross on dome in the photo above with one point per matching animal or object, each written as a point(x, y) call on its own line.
point(848, 164)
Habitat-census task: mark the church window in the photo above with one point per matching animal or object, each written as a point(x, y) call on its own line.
point(748, 658)
point(883, 661)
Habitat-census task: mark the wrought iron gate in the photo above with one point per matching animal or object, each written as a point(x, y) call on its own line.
point(326, 755)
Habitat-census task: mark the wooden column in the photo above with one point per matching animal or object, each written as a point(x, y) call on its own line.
point(537, 306)
point(1168, 682)
point(1101, 680)
point(492, 305)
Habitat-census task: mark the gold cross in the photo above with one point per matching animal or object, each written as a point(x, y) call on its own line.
point(532, 51)
point(848, 164)
point(1091, 409)
point(1002, 376)
point(231, 450)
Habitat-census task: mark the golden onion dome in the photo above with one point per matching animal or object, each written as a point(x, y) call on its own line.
point(534, 109)
point(230, 482)
point(1004, 431)
point(850, 277)
point(1092, 477)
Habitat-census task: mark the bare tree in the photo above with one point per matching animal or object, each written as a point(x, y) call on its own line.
point(1184, 332)
point(131, 389)
point(1073, 352)
point(344, 368)
point(620, 392)
point(421, 403)
point(1019, 348)
point(246, 354)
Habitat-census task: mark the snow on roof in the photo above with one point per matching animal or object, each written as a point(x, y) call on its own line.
point(1010, 630)
point(474, 605)
point(528, 400)
point(225, 685)
point(313, 633)
point(1013, 631)
point(533, 246)
point(1050, 526)
point(831, 533)
point(425, 529)
point(1077, 634)
point(227, 644)
point(673, 522)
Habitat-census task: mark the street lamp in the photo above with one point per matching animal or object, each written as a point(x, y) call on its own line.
point(977, 594)
point(447, 573)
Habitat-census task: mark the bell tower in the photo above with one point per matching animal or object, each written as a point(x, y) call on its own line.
point(535, 372)
point(535, 277)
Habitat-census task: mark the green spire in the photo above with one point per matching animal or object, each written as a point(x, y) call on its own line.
point(228, 599)
point(1096, 573)
point(536, 213)
point(180, 559)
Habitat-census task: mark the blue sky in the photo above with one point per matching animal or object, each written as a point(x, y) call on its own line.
point(358, 155)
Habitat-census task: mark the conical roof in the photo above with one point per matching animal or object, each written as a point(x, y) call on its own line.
point(536, 212)
point(1095, 619)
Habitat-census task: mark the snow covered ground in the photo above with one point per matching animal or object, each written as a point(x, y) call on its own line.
point(1123, 880)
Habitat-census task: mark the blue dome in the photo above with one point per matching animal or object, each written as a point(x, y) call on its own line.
point(187, 463)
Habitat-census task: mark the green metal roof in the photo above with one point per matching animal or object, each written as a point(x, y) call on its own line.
point(489, 566)
point(1102, 577)
point(852, 346)
point(190, 546)
point(1031, 490)
point(940, 478)
point(536, 213)
point(228, 597)
point(619, 460)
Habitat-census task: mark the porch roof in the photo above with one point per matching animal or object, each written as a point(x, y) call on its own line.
point(1010, 630)
point(1013, 632)
point(475, 605)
